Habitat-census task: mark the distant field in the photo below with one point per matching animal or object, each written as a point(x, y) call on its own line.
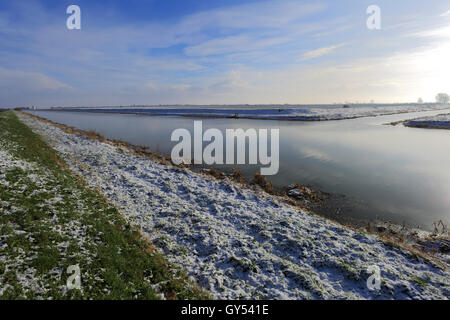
point(441, 121)
point(269, 112)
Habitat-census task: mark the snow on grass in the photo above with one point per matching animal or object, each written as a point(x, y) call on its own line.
point(19, 276)
point(240, 243)
point(50, 220)
point(441, 121)
point(34, 249)
point(279, 112)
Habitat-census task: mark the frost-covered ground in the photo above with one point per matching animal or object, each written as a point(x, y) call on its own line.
point(240, 243)
point(16, 260)
point(279, 112)
point(441, 121)
point(49, 220)
point(20, 251)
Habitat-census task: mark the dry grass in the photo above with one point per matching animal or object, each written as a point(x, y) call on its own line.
point(261, 181)
point(407, 241)
point(399, 242)
point(216, 174)
point(92, 134)
point(237, 175)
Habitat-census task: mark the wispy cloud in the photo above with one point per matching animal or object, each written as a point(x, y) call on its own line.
point(22, 81)
point(245, 53)
point(312, 54)
point(441, 32)
point(266, 14)
point(250, 27)
point(233, 44)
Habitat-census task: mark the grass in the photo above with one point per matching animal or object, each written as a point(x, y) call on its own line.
point(50, 219)
point(421, 282)
point(216, 174)
point(261, 181)
point(238, 176)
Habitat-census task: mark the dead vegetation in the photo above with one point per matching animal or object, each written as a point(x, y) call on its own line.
point(92, 134)
point(237, 176)
point(261, 181)
point(216, 174)
point(433, 247)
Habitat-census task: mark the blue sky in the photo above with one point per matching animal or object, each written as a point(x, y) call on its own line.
point(222, 52)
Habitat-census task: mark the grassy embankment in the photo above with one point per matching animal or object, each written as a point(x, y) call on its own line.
point(50, 219)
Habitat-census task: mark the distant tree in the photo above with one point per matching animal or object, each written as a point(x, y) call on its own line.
point(420, 100)
point(442, 98)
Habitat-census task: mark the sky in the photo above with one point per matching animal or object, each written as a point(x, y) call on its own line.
point(222, 52)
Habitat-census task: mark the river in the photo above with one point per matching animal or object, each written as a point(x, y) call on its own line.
point(383, 172)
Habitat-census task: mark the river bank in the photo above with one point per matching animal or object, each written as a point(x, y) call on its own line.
point(275, 112)
point(239, 242)
point(440, 121)
point(50, 221)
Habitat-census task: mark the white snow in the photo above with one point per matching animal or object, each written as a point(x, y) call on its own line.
point(240, 243)
point(276, 112)
point(438, 121)
point(25, 275)
point(21, 262)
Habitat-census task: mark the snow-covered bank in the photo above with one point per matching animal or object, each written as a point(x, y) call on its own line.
point(239, 243)
point(441, 121)
point(50, 223)
point(278, 112)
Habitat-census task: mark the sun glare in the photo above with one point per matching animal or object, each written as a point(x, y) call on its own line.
point(432, 68)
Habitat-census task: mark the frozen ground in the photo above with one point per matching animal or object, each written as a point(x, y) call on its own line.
point(239, 243)
point(441, 121)
point(16, 262)
point(50, 221)
point(279, 112)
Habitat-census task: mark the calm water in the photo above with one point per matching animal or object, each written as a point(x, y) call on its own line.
point(392, 173)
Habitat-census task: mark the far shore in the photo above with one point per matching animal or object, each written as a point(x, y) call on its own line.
point(276, 112)
point(440, 121)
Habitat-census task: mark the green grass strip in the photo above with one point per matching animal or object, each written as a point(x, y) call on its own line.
point(50, 220)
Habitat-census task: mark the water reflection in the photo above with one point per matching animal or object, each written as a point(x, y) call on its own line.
point(395, 173)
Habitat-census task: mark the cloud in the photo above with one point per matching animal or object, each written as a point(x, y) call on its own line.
point(166, 64)
point(230, 83)
point(250, 27)
point(447, 13)
point(391, 77)
point(315, 154)
point(246, 53)
point(233, 44)
point(23, 81)
point(268, 14)
point(441, 32)
point(155, 86)
point(20, 87)
point(320, 52)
